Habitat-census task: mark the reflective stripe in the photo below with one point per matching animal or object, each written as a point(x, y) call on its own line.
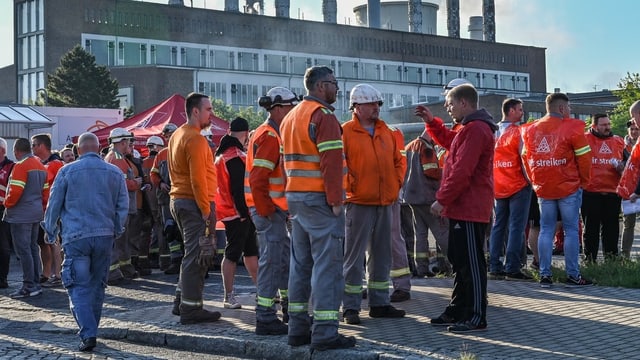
point(403, 152)
point(378, 285)
point(276, 194)
point(266, 302)
point(583, 150)
point(276, 181)
point(429, 166)
point(399, 272)
point(298, 307)
point(304, 173)
point(352, 289)
point(325, 315)
point(125, 262)
point(264, 163)
point(114, 267)
point(329, 145)
point(174, 248)
point(284, 293)
point(17, 183)
point(421, 255)
point(301, 157)
point(191, 302)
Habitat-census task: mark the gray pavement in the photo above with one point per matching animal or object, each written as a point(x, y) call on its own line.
point(525, 322)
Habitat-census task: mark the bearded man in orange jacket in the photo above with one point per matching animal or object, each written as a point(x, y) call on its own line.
point(600, 203)
point(375, 171)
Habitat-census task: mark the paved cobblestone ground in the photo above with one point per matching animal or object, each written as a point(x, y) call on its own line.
point(525, 322)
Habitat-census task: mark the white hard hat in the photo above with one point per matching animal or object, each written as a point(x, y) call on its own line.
point(206, 132)
point(278, 96)
point(155, 140)
point(364, 94)
point(455, 82)
point(119, 134)
point(136, 154)
point(170, 127)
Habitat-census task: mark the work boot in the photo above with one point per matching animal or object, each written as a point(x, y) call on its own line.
point(174, 268)
point(196, 315)
point(386, 311)
point(165, 262)
point(275, 327)
point(143, 266)
point(176, 304)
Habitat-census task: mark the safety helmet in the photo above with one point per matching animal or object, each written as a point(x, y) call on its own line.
point(364, 94)
point(278, 96)
point(169, 128)
point(206, 132)
point(119, 134)
point(136, 154)
point(453, 83)
point(155, 140)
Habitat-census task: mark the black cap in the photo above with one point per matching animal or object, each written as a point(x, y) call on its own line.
point(239, 124)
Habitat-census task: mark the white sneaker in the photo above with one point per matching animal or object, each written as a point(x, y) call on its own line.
point(230, 302)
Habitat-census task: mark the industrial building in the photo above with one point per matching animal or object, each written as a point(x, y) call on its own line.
point(236, 54)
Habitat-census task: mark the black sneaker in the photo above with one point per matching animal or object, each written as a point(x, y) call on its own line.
point(341, 342)
point(386, 311)
point(351, 317)
point(497, 275)
point(299, 340)
point(399, 296)
point(275, 327)
point(87, 344)
point(546, 282)
point(519, 276)
point(443, 320)
point(579, 281)
point(466, 326)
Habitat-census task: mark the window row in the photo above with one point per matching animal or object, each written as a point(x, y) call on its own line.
point(132, 53)
point(30, 52)
point(30, 16)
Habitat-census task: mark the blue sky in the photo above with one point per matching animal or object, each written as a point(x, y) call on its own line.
point(590, 43)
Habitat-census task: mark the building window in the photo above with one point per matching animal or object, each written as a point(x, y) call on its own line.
point(347, 69)
point(392, 72)
point(450, 75)
point(412, 74)
point(247, 61)
point(243, 95)
point(370, 71)
point(434, 76)
point(297, 65)
point(191, 57)
point(275, 63)
point(490, 81)
point(473, 77)
point(507, 82)
point(163, 55)
point(131, 54)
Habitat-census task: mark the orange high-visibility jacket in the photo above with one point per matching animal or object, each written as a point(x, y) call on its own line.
point(375, 170)
point(264, 180)
point(557, 156)
point(606, 152)
point(508, 172)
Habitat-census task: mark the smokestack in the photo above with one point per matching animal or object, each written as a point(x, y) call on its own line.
point(176, 2)
point(489, 15)
point(475, 28)
point(255, 7)
point(231, 5)
point(453, 18)
point(330, 11)
point(415, 16)
point(282, 8)
point(373, 13)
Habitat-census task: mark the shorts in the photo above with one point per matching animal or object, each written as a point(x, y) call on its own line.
point(241, 239)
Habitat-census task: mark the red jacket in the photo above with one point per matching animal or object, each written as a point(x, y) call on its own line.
point(508, 170)
point(375, 165)
point(466, 190)
point(606, 153)
point(557, 156)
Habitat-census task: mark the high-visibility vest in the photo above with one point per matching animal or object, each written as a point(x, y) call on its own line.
point(301, 154)
point(225, 207)
point(277, 179)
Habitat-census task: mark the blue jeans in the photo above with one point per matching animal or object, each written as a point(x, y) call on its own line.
point(511, 214)
point(84, 274)
point(569, 208)
point(25, 244)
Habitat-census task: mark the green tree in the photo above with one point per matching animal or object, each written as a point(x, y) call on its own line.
point(80, 82)
point(628, 92)
point(228, 113)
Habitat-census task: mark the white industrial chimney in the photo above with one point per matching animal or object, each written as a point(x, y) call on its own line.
point(475, 28)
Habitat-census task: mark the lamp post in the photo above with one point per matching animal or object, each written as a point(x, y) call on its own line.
point(46, 95)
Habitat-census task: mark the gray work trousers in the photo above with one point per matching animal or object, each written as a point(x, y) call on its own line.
point(368, 228)
point(400, 272)
point(425, 221)
point(317, 242)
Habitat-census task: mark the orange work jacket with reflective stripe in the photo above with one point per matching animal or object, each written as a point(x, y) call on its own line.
point(508, 171)
point(225, 207)
point(606, 152)
point(264, 180)
point(374, 163)
point(313, 164)
point(556, 156)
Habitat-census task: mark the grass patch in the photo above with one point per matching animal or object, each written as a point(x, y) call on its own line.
point(615, 272)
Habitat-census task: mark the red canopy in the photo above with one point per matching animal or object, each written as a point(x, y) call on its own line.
point(152, 121)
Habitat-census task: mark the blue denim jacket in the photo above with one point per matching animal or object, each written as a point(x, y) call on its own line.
point(90, 198)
